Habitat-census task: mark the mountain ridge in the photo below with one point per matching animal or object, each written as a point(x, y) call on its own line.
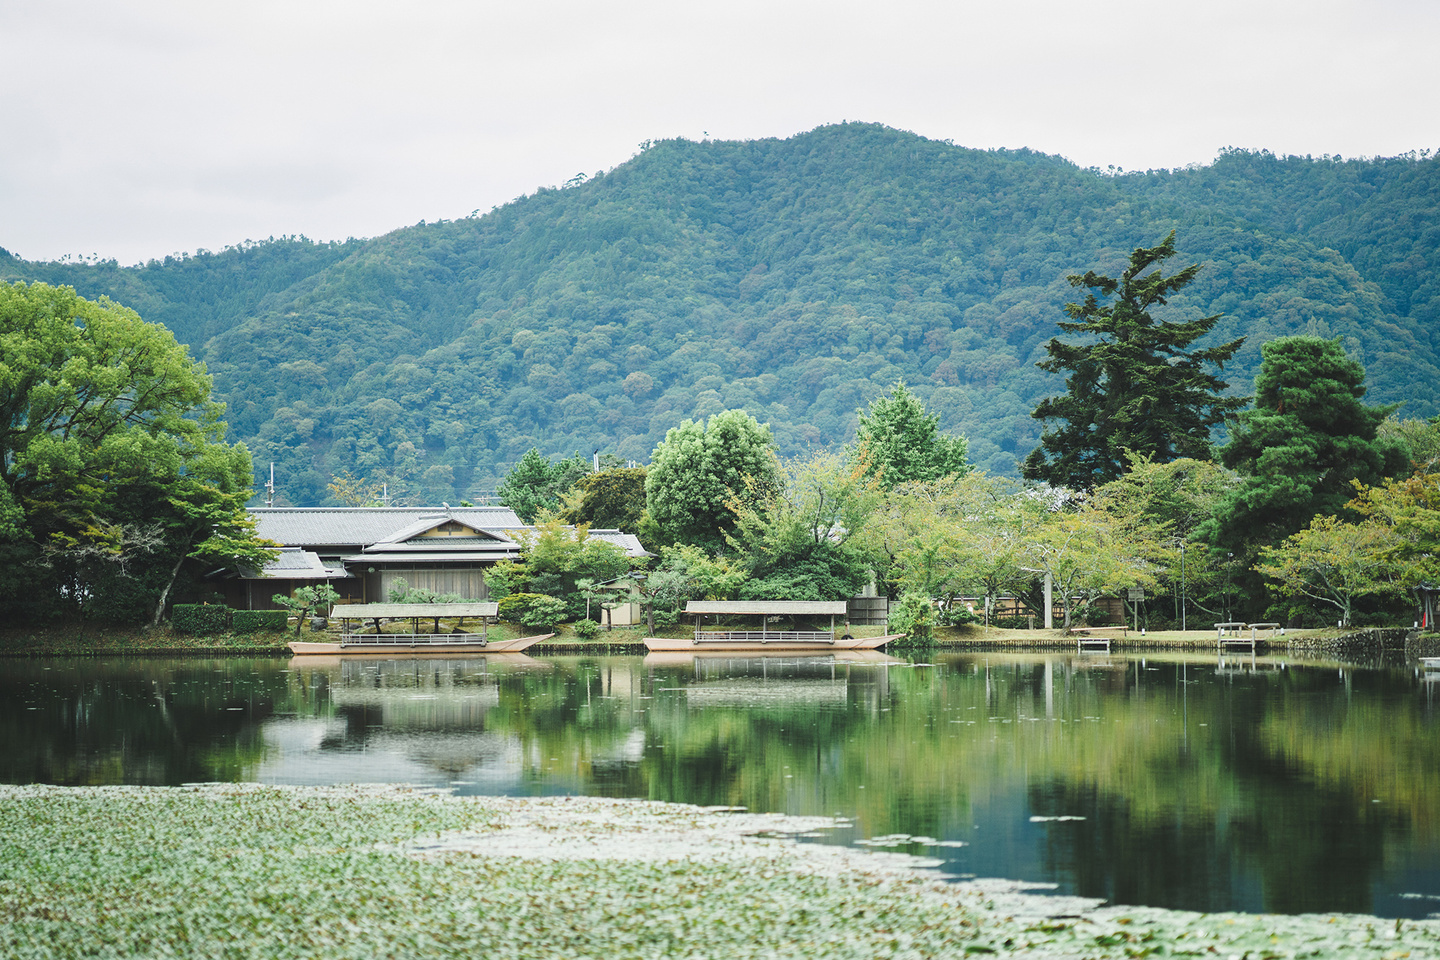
point(796, 278)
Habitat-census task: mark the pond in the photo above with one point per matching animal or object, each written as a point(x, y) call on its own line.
point(1201, 783)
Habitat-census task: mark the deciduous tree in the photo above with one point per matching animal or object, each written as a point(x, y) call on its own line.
point(697, 471)
point(108, 431)
point(1334, 563)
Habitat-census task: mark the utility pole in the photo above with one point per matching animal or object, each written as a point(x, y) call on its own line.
point(270, 487)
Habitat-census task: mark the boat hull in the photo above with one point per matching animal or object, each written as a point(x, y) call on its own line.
point(688, 645)
point(302, 648)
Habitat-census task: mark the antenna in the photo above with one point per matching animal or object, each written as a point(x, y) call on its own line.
point(270, 487)
point(384, 494)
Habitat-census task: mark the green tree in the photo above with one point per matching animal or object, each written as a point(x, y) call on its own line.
point(554, 559)
point(1166, 505)
point(1410, 508)
point(1088, 552)
point(800, 539)
point(1334, 563)
point(535, 484)
point(1132, 385)
point(898, 442)
point(697, 471)
point(1303, 444)
point(305, 600)
point(111, 449)
point(610, 499)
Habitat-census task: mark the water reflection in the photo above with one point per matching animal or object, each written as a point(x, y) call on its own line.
point(1208, 783)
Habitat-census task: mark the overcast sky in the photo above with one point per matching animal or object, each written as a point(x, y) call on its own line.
point(138, 128)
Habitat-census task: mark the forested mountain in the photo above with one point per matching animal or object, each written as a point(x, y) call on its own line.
point(793, 278)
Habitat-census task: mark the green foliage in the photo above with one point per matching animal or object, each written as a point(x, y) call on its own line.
point(1334, 563)
point(1133, 385)
point(898, 442)
point(535, 484)
point(699, 471)
point(533, 611)
point(402, 592)
point(586, 629)
point(307, 600)
point(200, 618)
point(556, 560)
point(1298, 450)
point(612, 499)
point(914, 616)
point(257, 621)
point(117, 484)
point(799, 536)
point(791, 278)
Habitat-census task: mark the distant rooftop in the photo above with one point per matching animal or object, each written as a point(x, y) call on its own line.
point(361, 526)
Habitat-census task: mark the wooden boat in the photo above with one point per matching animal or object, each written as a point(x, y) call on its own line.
point(766, 640)
point(388, 644)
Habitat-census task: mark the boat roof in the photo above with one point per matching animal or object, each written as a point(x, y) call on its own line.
point(781, 607)
point(469, 608)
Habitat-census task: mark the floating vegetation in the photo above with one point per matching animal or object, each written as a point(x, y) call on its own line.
point(248, 871)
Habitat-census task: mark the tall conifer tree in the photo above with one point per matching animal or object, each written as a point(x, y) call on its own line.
point(1133, 385)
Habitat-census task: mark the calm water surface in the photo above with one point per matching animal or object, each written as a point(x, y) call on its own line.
point(1255, 785)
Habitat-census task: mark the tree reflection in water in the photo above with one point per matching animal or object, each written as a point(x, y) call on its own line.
point(1192, 783)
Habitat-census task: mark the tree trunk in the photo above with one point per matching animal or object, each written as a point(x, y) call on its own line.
point(165, 593)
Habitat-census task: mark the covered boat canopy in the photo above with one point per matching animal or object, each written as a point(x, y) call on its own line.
point(771, 608)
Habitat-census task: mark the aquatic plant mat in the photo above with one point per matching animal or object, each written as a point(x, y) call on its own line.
point(255, 871)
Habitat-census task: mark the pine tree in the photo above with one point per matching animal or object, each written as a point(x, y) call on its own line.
point(1133, 386)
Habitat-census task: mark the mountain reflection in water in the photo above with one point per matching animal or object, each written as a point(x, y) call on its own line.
point(1206, 783)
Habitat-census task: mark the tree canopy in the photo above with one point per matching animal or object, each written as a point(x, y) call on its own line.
point(1134, 385)
point(898, 442)
point(113, 467)
point(1306, 440)
point(699, 468)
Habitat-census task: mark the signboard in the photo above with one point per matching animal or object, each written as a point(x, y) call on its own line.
point(1135, 593)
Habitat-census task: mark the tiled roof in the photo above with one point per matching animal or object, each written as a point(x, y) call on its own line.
point(362, 526)
point(292, 563)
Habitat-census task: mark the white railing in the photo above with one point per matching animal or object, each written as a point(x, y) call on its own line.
point(412, 639)
point(765, 636)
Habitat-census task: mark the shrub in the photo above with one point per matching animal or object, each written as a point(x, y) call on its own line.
point(255, 621)
point(199, 618)
point(957, 614)
point(587, 629)
point(532, 610)
point(913, 615)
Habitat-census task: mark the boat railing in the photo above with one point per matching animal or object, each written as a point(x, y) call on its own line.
point(413, 639)
point(765, 636)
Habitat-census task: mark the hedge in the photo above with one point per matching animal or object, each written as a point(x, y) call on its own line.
point(254, 621)
point(200, 618)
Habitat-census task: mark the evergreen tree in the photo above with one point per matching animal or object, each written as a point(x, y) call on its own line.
point(1299, 448)
point(1133, 386)
point(535, 484)
point(899, 442)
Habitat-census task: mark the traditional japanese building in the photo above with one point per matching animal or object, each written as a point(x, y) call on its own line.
point(362, 551)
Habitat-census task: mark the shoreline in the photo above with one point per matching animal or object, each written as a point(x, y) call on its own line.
point(89, 641)
point(254, 870)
